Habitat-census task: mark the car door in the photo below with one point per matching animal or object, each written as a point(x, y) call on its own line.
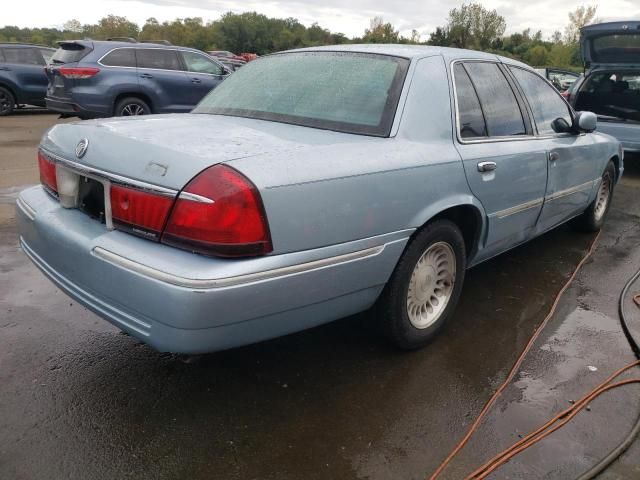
point(161, 77)
point(25, 67)
point(505, 167)
point(204, 73)
point(572, 175)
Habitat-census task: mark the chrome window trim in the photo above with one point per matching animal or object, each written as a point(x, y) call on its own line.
point(572, 112)
point(99, 62)
point(214, 283)
point(488, 139)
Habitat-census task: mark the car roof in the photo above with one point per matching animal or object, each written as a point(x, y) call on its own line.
point(412, 51)
point(24, 45)
point(120, 44)
point(622, 25)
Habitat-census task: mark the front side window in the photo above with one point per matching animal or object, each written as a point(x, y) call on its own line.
point(158, 58)
point(472, 124)
point(120, 57)
point(343, 91)
point(499, 105)
point(545, 102)
point(200, 64)
point(22, 56)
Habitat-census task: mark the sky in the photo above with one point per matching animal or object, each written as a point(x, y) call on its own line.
point(350, 17)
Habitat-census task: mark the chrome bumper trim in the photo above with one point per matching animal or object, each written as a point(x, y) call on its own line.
point(27, 209)
point(201, 284)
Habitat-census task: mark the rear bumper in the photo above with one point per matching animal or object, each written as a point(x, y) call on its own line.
point(67, 107)
point(180, 302)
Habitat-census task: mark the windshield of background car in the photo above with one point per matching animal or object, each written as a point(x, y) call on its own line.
point(341, 91)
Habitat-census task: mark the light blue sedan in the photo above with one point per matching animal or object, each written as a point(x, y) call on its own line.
point(311, 185)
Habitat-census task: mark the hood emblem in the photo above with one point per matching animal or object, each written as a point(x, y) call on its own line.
point(81, 148)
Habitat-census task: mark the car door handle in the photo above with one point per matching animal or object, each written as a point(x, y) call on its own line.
point(196, 80)
point(6, 69)
point(487, 166)
point(146, 75)
point(553, 156)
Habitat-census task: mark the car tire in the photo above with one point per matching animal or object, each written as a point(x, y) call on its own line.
point(131, 106)
point(425, 286)
point(592, 219)
point(7, 102)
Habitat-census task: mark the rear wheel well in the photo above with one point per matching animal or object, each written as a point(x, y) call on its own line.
point(468, 219)
point(141, 96)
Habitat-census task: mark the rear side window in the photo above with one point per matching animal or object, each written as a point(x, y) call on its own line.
point(158, 58)
point(23, 56)
point(70, 53)
point(120, 57)
point(472, 123)
point(499, 105)
point(47, 53)
point(544, 100)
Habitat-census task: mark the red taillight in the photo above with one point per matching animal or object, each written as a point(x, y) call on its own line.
point(565, 94)
point(78, 72)
point(138, 211)
point(47, 173)
point(219, 212)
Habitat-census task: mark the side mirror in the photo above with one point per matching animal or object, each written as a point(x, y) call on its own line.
point(585, 121)
point(560, 125)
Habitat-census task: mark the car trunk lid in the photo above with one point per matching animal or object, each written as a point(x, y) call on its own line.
point(169, 150)
point(610, 44)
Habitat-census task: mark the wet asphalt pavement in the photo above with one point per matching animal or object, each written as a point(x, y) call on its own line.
point(79, 400)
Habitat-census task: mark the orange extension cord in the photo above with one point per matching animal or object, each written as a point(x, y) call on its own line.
point(562, 418)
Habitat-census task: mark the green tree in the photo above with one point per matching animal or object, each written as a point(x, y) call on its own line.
point(580, 17)
point(380, 32)
point(473, 26)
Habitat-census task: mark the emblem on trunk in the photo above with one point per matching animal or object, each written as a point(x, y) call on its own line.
point(81, 148)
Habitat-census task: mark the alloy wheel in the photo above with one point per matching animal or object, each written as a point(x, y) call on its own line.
point(431, 285)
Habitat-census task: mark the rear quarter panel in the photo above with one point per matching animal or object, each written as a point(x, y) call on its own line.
point(99, 93)
point(367, 186)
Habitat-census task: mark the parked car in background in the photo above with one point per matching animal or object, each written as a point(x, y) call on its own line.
point(610, 86)
point(369, 174)
point(22, 77)
point(91, 79)
point(249, 57)
point(229, 59)
point(561, 79)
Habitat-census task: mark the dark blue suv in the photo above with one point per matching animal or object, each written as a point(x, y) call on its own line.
point(90, 79)
point(22, 77)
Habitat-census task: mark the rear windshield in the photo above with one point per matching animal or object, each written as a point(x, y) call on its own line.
point(617, 48)
point(346, 92)
point(70, 53)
